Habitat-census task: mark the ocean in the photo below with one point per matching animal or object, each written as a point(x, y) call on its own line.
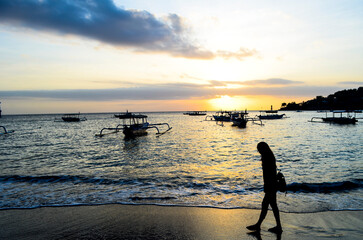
point(197, 163)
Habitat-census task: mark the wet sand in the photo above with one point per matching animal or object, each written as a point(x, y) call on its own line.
point(159, 222)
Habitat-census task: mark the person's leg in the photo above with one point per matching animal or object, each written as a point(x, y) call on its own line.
point(275, 209)
point(265, 203)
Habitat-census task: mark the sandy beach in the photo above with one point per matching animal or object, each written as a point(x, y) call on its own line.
point(160, 222)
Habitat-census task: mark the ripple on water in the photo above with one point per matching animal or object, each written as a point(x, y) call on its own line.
point(198, 163)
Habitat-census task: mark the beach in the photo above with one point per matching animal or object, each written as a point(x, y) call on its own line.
point(116, 221)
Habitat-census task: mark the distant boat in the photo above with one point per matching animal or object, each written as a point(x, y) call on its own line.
point(349, 117)
point(196, 113)
point(133, 125)
point(270, 114)
point(73, 117)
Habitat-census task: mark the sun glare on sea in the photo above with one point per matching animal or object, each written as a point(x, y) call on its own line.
point(226, 102)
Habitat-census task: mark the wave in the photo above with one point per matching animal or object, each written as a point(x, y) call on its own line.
point(61, 179)
point(170, 205)
point(151, 198)
point(325, 187)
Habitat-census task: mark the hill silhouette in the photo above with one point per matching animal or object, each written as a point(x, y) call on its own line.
point(349, 99)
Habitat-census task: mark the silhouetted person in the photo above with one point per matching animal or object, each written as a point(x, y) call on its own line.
point(270, 188)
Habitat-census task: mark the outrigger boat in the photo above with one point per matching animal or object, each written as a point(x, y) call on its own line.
point(133, 125)
point(71, 117)
point(4, 131)
point(222, 116)
point(270, 114)
point(196, 113)
point(349, 118)
point(240, 119)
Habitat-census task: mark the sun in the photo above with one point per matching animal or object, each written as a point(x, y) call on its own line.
point(226, 102)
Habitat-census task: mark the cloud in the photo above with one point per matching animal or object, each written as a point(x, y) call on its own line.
point(271, 81)
point(286, 91)
point(107, 23)
point(173, 91)
point(351, 83)
point(264, 82)
point(240, 55)
point(267, 82)
point(152, 92)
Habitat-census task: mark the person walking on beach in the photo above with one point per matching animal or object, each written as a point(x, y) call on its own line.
point(270, 188)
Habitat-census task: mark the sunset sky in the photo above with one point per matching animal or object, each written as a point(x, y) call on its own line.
point(142, 55)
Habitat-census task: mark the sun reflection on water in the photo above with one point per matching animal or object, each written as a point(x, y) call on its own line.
point(198, 163)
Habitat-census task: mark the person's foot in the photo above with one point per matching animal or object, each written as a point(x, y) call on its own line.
point(277, 230)
point(255, 227)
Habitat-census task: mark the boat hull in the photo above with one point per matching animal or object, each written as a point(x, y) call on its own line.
point(241, 123)
point(222, 118)
point(277, 116)
point(135, 130)
point(70, 119)
point(340, 120)
point(196, 114)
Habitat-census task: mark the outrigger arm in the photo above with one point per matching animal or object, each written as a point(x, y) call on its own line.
point(158, 124)
point(5, 131)
point(253, 120)
point(115, 130)
point(121, 127)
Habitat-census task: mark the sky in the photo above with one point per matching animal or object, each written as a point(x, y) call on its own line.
point(180, 55)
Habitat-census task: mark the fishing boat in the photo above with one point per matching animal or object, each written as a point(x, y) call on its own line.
point(240, 119)
point(338, 117)
point(196, 113)
point(73, 117)
point(270, 114)
point(223, 116)
point(133, 125)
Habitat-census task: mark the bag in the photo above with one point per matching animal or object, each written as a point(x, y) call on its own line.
point(281, 183)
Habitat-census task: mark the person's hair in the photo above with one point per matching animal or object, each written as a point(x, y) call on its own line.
point(265, 151)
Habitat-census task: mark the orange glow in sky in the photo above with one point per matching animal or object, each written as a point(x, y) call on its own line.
point(167, 56)
point(226, 102)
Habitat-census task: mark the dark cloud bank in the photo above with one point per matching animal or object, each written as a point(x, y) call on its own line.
point(175, 91)
point(103, 21)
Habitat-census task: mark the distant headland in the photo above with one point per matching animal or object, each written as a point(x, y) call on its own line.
point(349, 99)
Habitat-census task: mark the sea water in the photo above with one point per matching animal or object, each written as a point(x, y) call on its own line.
point(197, 163)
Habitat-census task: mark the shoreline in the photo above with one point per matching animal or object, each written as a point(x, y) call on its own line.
point(121, 221)
point(173, 205)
